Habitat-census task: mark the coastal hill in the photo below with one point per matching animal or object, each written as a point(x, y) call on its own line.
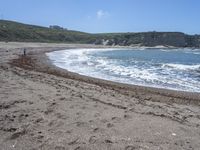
point(14, 31)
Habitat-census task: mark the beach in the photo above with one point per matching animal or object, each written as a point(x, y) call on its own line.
point(45, 107)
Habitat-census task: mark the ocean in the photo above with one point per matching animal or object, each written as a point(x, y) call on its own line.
point(176, 69)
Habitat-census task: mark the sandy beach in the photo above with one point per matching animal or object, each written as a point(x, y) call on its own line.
point(45, 107)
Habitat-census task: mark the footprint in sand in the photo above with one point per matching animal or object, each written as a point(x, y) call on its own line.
point(69, 131)
point(60, 148)
point(130, 147)
point(97, 115)
point(38, 120)
point(110, 125)
point(62, 99)
point(93, 139)
point(115, 118)
point(49, 110)
point(104, 121)
point(58, 94)
point(80, 124)
point(127, 116)
point(73, 141)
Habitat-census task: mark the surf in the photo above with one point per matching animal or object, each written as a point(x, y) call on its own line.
point(176, 69)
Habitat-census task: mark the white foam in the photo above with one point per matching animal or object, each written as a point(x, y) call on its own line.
point(182, 67)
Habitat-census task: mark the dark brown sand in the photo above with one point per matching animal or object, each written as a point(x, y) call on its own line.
point(44, 107)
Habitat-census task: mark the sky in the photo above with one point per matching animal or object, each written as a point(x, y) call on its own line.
point(100, 16)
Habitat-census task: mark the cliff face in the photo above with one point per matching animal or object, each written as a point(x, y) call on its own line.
point(172, 39)
point(175, 39)
point(14, 31)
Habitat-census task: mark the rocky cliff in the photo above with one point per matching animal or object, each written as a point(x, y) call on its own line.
point(175, 39)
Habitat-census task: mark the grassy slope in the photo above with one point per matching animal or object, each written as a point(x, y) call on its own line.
point(13, 31)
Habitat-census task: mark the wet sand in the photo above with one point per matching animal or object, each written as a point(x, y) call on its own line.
point(44, 107)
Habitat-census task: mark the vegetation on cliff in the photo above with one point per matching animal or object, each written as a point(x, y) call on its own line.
point(14, 31)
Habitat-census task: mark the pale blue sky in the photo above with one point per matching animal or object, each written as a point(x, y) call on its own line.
point(107, 15)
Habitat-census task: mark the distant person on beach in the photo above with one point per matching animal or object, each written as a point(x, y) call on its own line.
point(24, 52)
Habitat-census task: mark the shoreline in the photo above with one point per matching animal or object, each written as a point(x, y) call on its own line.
point(47, 63)
point(131, 84)
point(46, 107)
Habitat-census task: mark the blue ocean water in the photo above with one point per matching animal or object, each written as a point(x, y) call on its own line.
point(177, 69)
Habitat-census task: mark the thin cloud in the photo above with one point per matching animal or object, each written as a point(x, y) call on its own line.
point(102, 14)
point(89, 17)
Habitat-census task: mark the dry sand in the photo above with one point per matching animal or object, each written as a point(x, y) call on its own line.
point(44, 107)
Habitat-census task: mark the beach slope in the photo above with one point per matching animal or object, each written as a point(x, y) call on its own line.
point(44, 107)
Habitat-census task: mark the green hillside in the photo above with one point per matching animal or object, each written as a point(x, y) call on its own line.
point(14, 31)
